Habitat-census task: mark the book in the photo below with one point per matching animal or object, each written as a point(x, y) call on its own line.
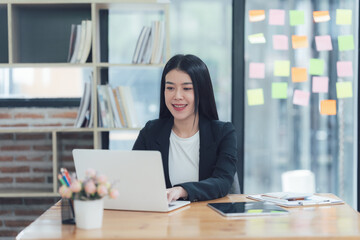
point(138, 45)
point(103, 116)
point(84, 106)
point(312, 200)
point(144, 45)
point(120, 109)
point(77, 44)
point(114, 110)
point(82, 41)
point(72, 41)
point(160, 45)
point(87, 41)
point(129, 106)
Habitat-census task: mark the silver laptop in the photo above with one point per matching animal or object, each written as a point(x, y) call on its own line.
point(137, 175)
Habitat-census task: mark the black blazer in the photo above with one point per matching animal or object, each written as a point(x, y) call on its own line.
point(218, 155)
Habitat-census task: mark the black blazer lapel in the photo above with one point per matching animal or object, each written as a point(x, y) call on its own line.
point(207, 148)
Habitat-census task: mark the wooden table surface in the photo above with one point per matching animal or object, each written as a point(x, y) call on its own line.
point(198, 221)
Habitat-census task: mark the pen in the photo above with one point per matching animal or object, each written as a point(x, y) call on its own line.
point(61, 180)
point(65, 173)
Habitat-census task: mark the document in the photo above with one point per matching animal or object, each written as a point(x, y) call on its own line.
point(311, 200)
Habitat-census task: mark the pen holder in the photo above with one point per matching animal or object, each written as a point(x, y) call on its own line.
point(67, 211)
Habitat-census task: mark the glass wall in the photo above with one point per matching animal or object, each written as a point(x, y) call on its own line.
point(301, 93)
point(194, 29)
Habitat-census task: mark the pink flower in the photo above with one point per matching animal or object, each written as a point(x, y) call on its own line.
point(90, 173)
point(90, 187)
point(102, 190)
point(75, 186)
point(102, 179)
point(114, 193)
point(65, 192)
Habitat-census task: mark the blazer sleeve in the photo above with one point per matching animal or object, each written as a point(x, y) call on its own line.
point(140, 143)
point(219, 183)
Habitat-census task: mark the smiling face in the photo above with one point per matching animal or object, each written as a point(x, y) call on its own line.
point(179, 95)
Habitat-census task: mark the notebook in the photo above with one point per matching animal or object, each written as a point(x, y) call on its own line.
point(137, 175)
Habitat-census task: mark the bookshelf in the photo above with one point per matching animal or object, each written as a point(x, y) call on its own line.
point(35, 34)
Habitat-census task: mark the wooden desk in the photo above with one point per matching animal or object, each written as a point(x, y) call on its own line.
point(198, 221)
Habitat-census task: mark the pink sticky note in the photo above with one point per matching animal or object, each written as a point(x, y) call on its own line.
point(344, 69)
point(280, 42)
point(323, 43)
point(276, 17)
point(256, 70)
point(320, 84)
point(301, 98)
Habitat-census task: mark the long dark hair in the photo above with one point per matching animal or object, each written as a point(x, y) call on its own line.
point(200, 76)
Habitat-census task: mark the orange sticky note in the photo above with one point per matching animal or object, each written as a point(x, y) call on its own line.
point(256, 15)
point(299, 41)
point(298, 74)
point(328, 107)
point(321, 16)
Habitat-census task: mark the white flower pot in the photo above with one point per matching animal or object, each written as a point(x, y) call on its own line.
point(89, 214)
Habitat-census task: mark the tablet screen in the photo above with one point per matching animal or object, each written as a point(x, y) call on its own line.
point(247, 208)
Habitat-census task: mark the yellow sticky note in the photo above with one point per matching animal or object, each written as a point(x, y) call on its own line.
point(255, 96)
point(256, 15)
point(299, 41)
point(328, 107)
point(298, 74)
point(255, 211)
point(344, 90)
point(321, 16)
point(343, 16)
point(282, 68)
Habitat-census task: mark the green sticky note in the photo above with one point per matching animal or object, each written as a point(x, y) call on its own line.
point(279, 90)
point(255, 211)
point(344, 90)
point(343, 16)
point(296, 17)
point(255, 97)
point(282, 68)
point(316, 66)
point(346, 42)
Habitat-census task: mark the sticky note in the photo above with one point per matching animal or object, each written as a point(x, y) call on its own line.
point(344, 69)
point(346, 42)
point(323, 43)
point(321, 16)
point(343, 16)
point(279, 90)
point(328, 107)
point(298, 74)
point(296, 17)
point(344, 90)
point(255, 96)
point(256, 70)
point(256, 15)
point(301, 98)
point(255, 211)
point(276, 17)
point(320, 84)
point(280, 42)
point(257, 38)
point(316, 66)
point(282, 68)
point(299, 41)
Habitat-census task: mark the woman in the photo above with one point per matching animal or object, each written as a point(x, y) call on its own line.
point(198, 151)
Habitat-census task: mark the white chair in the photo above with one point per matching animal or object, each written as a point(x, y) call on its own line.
point(302, 181)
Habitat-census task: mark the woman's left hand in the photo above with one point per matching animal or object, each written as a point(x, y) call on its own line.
point(175, 193)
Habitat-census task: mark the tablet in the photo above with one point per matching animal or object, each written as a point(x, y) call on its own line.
point(234, 209)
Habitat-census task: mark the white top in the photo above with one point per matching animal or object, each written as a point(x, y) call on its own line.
point(184, 155)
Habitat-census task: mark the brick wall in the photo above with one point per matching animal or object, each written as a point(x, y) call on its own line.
point(26, 162)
